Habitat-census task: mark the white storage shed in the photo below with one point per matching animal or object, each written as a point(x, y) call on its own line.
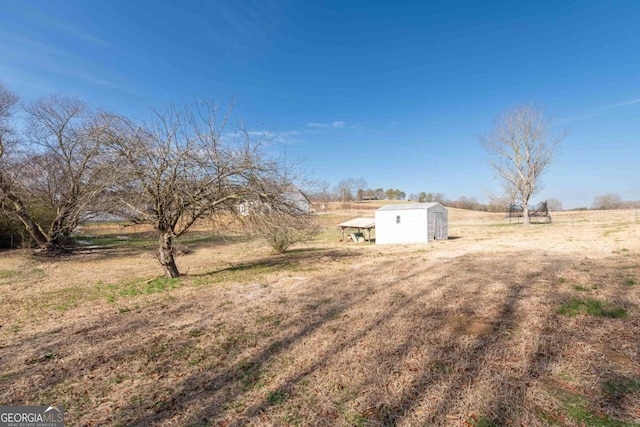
point(412, 223)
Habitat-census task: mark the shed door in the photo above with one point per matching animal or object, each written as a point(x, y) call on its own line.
point(439, 224)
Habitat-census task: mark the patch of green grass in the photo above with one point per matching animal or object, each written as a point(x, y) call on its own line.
point(66, 299)
point(630, 282)
point(619, 387)
point(251, 375)
point(481, 422)
point(576, 407)
point(357, 420)
point(581, 288)
point(592, 307)
point(567, 376)
point(318, 303)
point(138, 287)
point(117, 379)
point(548, 419)
point(198, 356)
point(42, 358)
point(277, 397)
point(5, 274)
point(441, 367)
point(196, 332)
point(200, 281)
point(272, 319)
point(66, 305)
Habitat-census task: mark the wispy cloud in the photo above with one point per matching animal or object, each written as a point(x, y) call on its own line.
point(285, 137)
point(240, 26)
point(626, 103)
point(323, 125)
point(82, 34)
point(601, 110)
point(28, 55)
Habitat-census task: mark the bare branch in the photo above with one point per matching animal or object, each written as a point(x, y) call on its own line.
point(522, 147)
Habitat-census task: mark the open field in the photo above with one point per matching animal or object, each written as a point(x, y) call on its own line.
point(500, 325)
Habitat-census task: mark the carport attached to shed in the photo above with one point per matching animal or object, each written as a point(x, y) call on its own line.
point(360, 224)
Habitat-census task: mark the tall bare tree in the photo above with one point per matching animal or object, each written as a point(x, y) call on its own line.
point(522, 146)
point(185, 165)
point(8, 200)
point(57, 167)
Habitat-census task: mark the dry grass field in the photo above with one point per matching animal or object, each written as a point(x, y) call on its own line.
point(500, 325)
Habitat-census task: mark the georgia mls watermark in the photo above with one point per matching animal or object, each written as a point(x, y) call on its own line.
point(32, 416)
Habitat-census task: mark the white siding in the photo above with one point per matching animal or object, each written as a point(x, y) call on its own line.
point(418, 223)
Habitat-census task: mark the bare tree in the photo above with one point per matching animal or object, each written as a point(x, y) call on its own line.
point(554, 205)
point(58, 170)
point(183, 166)
point(319, 193)
point(360, 185)
point(522, 146)
point(607, 201)
point(345, 189)
point(8, 101)
point(499, 203)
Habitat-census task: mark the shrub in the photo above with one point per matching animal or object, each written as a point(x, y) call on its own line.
point(282, 230)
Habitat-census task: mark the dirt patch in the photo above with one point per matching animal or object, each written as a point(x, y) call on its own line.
point(469, 325)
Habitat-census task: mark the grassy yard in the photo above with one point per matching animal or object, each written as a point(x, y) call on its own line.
point(500, 325)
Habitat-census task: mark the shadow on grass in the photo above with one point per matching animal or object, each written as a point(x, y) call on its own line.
point(123, 245)
point(471, 340)
point(303, 257)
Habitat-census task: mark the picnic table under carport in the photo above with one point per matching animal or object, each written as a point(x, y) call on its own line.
point(360, 224)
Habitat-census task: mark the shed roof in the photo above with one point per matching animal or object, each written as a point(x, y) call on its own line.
point(402, 207)
point(359, 223)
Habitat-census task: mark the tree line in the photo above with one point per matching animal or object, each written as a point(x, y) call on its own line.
point(613, 201)
point(356, 190)
point(67, 162)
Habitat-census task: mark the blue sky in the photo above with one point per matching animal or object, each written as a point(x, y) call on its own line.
point(392, 92)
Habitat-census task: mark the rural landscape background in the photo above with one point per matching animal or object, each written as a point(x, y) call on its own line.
point(500, 325)
point(160, 265)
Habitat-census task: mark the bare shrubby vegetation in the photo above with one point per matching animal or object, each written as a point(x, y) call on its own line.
point(281, 230)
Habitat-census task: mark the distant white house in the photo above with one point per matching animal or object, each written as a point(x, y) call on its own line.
point(298, 199)
point(411, 223)
point(295, 200)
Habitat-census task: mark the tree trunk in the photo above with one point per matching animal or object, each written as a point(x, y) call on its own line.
point(165, 255)
point(525, 214)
